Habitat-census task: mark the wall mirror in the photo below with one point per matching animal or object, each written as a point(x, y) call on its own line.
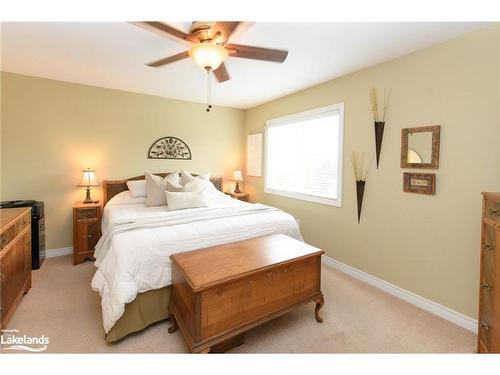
point(420, 147)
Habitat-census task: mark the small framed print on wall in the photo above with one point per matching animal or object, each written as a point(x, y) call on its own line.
point(420, 183)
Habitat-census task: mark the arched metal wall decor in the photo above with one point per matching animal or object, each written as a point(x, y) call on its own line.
point(169, 148)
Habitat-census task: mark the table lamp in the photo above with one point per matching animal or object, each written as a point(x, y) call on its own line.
point(88, 180)
point(237, 177)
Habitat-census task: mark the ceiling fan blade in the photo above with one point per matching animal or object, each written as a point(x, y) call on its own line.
point(165, 30)
point(257, 53)
point(225, 29)
point(168, 60)
point(221, 73)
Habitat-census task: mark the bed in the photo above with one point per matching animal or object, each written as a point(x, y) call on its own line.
point(133, 273)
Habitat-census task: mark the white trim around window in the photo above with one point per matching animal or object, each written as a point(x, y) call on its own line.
point(309, 115)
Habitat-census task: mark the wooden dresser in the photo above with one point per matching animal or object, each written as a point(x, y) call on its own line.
point(218, 293)
point(86, 230)
point(489, 288)
point(15, 259)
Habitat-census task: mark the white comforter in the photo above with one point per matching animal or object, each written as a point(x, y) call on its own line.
point(135, 256)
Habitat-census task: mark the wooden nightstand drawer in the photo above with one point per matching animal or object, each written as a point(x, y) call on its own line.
point(86, 231)
point(87, 213)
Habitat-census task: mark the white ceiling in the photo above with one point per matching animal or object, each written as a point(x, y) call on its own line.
point(113, 55)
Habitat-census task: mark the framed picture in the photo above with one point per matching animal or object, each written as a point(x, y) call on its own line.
point(420, 183)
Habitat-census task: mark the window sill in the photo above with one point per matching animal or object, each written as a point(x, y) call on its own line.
point(305, 197)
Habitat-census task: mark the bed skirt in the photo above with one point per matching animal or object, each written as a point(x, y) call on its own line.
point(147, 308)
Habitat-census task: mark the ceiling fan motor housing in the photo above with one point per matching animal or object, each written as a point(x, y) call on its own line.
point(201, 30)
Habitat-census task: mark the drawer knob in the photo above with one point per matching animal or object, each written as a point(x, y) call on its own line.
point(89, 235)
point(494, 212)
point(484, 326)
point(487, 247)
point(485, 286)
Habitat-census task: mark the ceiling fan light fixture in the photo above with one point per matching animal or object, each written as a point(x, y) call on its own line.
point(208, 55)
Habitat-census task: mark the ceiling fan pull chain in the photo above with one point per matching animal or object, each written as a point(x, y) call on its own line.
point(209, 91)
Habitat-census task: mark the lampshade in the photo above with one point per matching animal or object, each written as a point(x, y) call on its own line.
point(88, 178)
point(237, 175)
point(208, 55)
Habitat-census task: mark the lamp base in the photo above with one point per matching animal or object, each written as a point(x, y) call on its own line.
point(237, 188)
point(87, 197)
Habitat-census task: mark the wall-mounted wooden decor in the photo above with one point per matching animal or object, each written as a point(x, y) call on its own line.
point(420, 183)
point(169, 148)
point(422, 142)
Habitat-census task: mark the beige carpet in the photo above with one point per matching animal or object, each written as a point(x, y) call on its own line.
point(357, 319)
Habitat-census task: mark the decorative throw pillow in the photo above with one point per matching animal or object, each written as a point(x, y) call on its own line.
point(174, 187)
point(182, 200)
point(155, 190)
point(187, 177)
point(196, 185)
point(173, 178)
point(137, 188)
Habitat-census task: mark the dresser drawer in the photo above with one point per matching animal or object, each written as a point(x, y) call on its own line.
point(490, 235)
point(11, 232)
point(489, 308)
point(233, 305)
point(492, 210)
point(86, 213)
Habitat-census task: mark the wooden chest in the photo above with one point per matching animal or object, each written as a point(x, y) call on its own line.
point(218, 293)
point(489, 288)
point(15, 259)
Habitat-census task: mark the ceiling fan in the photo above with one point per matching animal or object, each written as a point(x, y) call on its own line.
point(210, 46)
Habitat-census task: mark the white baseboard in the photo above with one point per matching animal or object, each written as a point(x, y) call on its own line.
point(434, 308)
point(58, 252)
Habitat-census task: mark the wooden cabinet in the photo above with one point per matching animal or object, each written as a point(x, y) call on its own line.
point(219, 293)
point(489, 285)
point(86, 230)
point(15, 259)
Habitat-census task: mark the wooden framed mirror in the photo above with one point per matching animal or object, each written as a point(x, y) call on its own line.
point(420, 147)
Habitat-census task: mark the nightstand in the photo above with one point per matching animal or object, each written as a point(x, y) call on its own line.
point(86, 230)
point(240, 196)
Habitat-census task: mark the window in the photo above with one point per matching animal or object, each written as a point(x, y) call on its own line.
point(304, 155)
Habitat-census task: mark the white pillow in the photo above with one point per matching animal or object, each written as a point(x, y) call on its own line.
point(155, 190)
point(182, 200)
point(196, 185)
point(125, 198)
point(174, 187)
point(137, 188)
point(173, 178)
point(156, 187)
point(187, 177)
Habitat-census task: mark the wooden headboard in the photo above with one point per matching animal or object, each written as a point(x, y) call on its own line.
point(112, 187)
